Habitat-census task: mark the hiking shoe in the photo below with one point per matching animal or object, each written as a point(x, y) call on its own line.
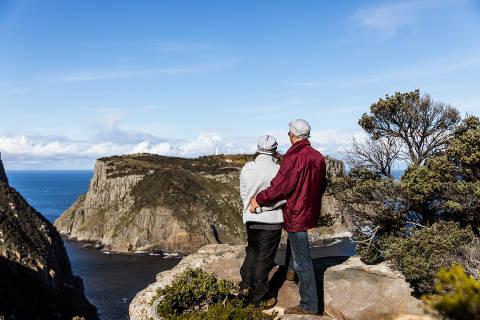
point(245, 293)
point(267, 303)
point(299, 310)
point(290, 275)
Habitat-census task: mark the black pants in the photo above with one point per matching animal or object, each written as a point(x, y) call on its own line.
point(261, 250)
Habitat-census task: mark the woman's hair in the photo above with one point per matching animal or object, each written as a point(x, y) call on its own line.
point(277, 156)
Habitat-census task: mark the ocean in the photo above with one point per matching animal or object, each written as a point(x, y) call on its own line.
point(111, 280)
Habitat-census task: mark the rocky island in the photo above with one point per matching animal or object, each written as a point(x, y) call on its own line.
point(36, 279)
point(147, 202)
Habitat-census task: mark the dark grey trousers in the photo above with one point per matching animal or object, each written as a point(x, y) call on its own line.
point(261, 249)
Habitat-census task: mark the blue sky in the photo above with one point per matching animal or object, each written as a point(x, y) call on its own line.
point(85, 79)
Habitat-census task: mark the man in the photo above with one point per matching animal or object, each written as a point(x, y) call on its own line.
point(300, 180)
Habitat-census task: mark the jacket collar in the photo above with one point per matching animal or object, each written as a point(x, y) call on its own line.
point(264, 157)
point(298, 145)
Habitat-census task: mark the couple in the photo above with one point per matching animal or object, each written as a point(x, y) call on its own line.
point(274, 196)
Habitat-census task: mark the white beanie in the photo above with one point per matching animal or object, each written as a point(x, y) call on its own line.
point(300, 128)
point(267, 145)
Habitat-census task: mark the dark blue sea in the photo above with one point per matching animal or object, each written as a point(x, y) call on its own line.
point(111, 281)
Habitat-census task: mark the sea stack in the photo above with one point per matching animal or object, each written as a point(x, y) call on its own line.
point(36, 279)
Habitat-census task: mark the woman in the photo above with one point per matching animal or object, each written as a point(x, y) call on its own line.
point(264, 226)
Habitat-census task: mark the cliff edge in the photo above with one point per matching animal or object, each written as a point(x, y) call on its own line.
point(3, 175)
point(36, 279)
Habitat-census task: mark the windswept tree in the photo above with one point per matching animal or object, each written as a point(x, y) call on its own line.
point(431, 218)
point(404, 126)
point(377, 155)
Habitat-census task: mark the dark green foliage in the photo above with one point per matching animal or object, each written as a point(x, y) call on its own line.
point(232, 310)
point(194, 294)
point(368, 249)
point(419, 254)
point(371, 199)
point(419, 124)
point(457, 295)
point(194, 290)
point(448, 186)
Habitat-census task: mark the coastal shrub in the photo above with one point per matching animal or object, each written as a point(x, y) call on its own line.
point(420, 254)
point(231, 310)
point(368, 250)
point(457, 295)
point(193, 290)
point(195, 294)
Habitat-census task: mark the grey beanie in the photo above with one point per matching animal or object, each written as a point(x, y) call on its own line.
point(300, 128)
point(267, 145)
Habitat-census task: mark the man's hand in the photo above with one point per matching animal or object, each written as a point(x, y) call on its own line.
point(253, 205)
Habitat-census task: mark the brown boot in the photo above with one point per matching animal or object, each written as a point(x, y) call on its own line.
point(268, 303)
point(290, 275)
point(245, 293)
point(299, 310)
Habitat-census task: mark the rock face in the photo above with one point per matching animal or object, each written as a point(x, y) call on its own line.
point(36, 279)
point(3, 176)
point(156, 203)
point(351, 290)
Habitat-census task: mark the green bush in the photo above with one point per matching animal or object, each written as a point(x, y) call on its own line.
point(420, 254)
point(369, 251)
point(457, 295)
point(232, 310)
point(195, 294)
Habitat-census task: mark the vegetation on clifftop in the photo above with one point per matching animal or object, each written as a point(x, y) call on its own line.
point(457, 295)
point(194, 294)
point(430, 218)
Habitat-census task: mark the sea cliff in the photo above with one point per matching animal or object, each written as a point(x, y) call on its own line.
point(36, 279)
point(156, 203)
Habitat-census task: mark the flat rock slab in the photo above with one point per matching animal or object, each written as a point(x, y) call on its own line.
point(303, 317)
point(348, 289)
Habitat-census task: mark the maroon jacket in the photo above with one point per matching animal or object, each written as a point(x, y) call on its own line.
point(300, 180)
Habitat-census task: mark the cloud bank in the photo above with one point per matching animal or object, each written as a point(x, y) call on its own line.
point(27, 150)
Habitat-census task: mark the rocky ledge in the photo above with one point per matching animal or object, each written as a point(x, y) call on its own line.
point(350, 290)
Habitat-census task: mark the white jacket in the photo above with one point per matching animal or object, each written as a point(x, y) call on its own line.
point(255, 177)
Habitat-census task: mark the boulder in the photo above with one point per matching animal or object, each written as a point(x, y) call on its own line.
point(349, 288)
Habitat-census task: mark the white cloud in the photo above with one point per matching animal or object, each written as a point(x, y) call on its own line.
point(331, 142)
point(205, 143)
point(23, 149)
point(391, 16)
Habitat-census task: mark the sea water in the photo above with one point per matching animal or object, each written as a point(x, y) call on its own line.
point(112, 280)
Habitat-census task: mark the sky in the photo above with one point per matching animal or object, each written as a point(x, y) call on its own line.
point(86, 79)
